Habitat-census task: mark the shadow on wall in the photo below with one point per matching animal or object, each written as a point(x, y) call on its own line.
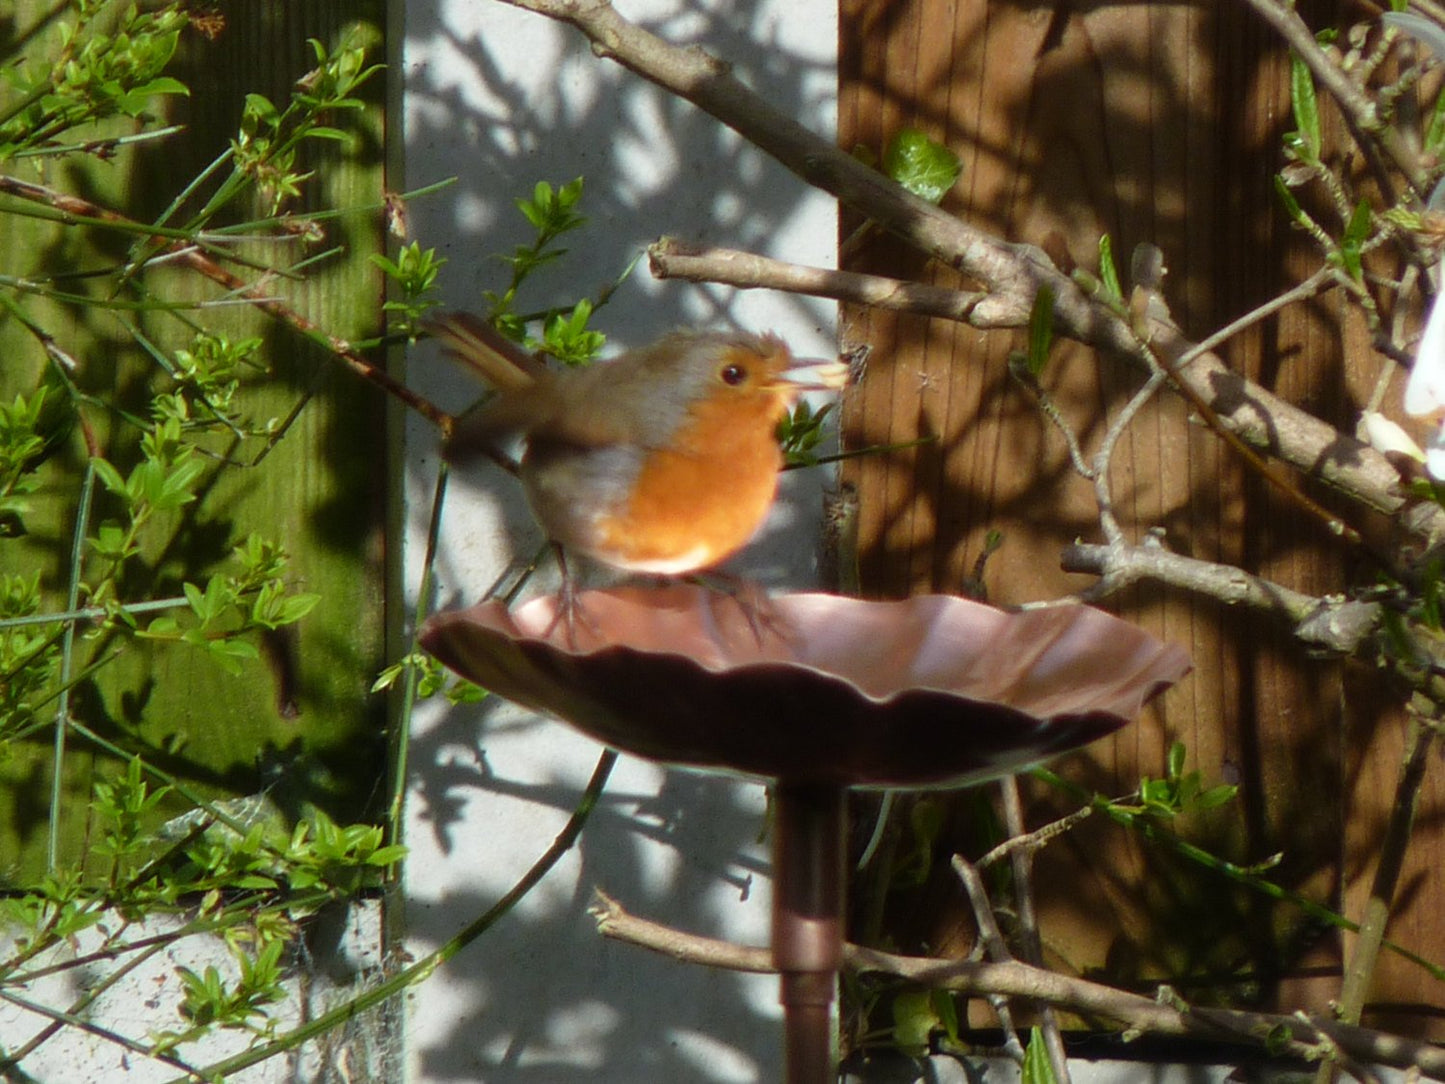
point(502, 99)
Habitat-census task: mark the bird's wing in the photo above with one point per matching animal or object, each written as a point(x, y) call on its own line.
point(481, 348)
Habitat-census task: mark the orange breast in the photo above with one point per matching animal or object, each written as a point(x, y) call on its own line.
point(700, 500)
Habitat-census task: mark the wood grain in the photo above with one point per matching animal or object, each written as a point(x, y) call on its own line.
point(301, 722)
point(1156, 123)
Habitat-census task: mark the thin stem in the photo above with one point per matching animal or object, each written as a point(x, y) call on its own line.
point(1323, 278)
point(1028, 934)
point(994, 946)
point(70, 1020)
point(1361, 967)
point(67, 658)
point(401, 732)
point(1248, 877)
point(425, 966)
point(1356, 105)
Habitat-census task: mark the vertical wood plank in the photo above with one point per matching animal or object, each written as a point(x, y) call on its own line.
point(305, 728)
point(1151, 123)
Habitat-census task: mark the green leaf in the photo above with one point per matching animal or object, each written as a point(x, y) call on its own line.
point(925, 168)
point(385, 856)
point(1107, 271)
point(914, 1021)
point(1306, 109)
point(1041, 329)
point(110, 542)
point(163, 628)
point(229, 654)
point(1216, 796)
point(946, 1009)
point(1037, 1067)
point(109, 476)
point(295, 607)
point(1291, 205)
point(1177, 754)
point(165, 85)
point(1352, 242)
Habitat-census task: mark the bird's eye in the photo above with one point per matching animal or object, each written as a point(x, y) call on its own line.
point(733, 374)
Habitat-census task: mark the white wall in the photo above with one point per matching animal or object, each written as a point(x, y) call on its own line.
point(503, 99)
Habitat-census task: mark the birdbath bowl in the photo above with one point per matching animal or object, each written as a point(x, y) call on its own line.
point(816, 694)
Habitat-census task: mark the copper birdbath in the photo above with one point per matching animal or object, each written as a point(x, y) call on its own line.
point(815, 694)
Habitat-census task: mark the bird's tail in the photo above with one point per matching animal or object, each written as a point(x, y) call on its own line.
point(484, 350)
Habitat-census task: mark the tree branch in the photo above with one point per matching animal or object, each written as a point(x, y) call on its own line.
point(1356, 105)
point(1292, 1035)
point(1333, 624)
point(671, 259)
point(1011, 274)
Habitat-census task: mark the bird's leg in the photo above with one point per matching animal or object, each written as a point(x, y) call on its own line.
point(751, 598)
point(569, 608)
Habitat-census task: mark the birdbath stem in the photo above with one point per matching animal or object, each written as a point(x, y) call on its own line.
point(807, 934)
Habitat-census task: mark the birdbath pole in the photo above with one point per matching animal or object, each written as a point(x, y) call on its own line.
point(833, 693)
point(807, 929)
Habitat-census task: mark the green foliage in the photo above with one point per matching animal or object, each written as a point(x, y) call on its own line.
point(926, 168)
point(1041, 331)
point(1305, 141)
point(101, 68)
point(265, 149)
point(1352, 241)
point(432, 678)
point(1178, 793)
point(230, 606)
point(568, 338)
point(21, 443)
point(1435, 130)
point(1109, 272)
point(1038, 1069)
point(120, 465)
point(566, 333)
point(920, 1017)
point(211, 1002)
point(801, 432)
point(551, 212)
point(414, 273)
point(28, 656)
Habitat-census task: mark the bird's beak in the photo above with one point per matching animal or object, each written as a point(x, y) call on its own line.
point(814, 374)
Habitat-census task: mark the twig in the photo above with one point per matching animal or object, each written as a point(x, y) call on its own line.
point(1012, 274)
point(1321, 280)
point(1335, 625)
point(1356, 105)
point(1360, 969)
point(1030, 944)
point(1035, 840)
point(1103, 491)
point(670, 259)
point(994, 945)
point(1289, 1035)
point(251, 293)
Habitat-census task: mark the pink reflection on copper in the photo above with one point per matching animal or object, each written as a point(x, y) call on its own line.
point(819, 693)
point(929, 691)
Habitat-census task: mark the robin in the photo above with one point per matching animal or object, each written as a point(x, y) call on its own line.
point(664, 460)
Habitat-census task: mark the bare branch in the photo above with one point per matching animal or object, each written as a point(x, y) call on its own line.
point(255, 294)
point(1012, 274)
point(993, 943)
point(670, 259)
point(1356, 105)
point(1030, 942)
point(1284, 1034)
point(1332, 624)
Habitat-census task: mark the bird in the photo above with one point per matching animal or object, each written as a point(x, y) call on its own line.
point(662, 461)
